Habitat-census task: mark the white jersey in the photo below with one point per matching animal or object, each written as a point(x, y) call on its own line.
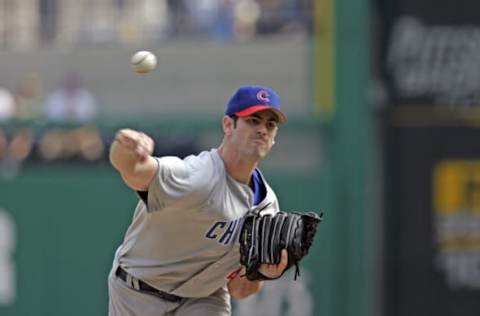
point(185, 240)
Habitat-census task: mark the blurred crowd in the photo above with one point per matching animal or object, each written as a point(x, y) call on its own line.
point(70, 105)
point(32, 23)
point(71, 102)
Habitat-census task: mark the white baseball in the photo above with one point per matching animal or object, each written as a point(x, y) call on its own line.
point(143, 62)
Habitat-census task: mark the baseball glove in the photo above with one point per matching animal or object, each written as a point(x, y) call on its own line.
point(263, 237)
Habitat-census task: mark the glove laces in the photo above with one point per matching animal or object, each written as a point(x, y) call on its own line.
point(297, 271)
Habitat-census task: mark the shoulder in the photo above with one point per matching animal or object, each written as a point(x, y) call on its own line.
point(200, 168)
point(208, 162)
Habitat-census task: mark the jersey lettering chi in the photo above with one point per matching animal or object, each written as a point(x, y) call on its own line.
point(221, 234)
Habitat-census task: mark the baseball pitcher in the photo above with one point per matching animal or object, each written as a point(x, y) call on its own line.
point(181, 253)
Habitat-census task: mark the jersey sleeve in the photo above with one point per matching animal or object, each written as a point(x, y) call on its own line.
point(178, 184)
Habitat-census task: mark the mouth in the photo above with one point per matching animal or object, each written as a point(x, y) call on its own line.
point(260, 141)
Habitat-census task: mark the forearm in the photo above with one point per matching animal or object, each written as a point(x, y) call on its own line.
point(241, 287)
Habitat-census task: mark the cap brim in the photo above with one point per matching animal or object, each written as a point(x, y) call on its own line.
point(282, 118)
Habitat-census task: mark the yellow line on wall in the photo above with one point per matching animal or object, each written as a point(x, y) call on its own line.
point(324, 59)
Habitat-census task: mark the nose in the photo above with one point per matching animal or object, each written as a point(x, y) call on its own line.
point(262, 129)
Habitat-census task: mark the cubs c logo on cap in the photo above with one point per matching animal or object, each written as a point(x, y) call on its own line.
point(263, 95)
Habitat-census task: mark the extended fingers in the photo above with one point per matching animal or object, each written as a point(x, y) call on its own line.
point(137, 142)
point(144, 146)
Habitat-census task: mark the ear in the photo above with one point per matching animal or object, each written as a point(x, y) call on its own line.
point(227, 124)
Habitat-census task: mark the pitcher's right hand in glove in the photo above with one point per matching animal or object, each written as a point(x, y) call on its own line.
point(263, 240)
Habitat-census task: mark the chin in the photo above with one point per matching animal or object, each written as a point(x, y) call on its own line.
point(261, 154)
point(258, 153)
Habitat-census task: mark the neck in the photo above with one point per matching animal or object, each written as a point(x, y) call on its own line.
point(239, 168)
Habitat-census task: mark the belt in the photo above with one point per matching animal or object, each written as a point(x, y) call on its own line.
point(144, 287)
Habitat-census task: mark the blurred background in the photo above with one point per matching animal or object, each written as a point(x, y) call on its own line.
point(382, 98)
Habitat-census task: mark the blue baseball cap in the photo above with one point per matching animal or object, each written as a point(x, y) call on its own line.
point(251, 99)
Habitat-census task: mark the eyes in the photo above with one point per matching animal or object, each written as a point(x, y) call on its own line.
point(256, 121)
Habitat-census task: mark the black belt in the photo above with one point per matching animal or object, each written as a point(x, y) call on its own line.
point(122, 274)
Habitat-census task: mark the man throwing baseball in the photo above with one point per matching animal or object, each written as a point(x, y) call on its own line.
point(180, 254)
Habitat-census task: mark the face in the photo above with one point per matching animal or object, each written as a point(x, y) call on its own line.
point(253, 136)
